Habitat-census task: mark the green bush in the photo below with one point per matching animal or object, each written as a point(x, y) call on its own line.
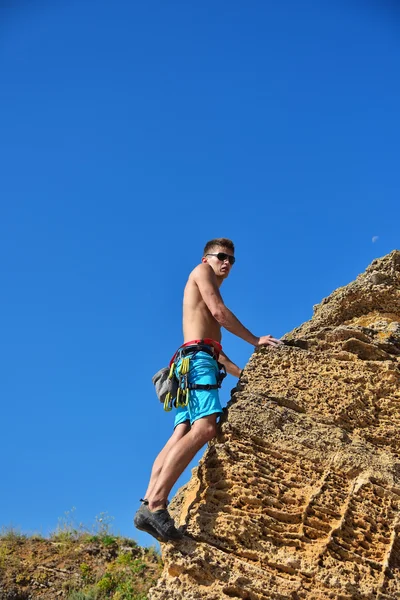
point(86, 572)
point(108, 540)
point(107, 583)
point(89, 594)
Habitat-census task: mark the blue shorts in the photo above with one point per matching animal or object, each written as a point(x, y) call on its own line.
point(203, 369)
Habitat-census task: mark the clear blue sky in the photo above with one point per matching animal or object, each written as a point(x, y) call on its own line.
point(130, 134)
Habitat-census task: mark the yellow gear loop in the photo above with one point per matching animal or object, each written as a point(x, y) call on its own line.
point(168, 403)
point(168, 398)
point(185, 365)
point(182, 396)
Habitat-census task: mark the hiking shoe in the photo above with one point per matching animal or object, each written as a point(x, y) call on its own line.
point(140, 523)
point(159, 524)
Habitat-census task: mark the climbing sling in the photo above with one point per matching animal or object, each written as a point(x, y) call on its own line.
point(173, 387)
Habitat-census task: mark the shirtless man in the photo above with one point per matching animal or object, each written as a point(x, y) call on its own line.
point(204, 313)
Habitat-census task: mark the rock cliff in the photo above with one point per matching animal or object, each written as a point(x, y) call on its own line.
point(299, 495)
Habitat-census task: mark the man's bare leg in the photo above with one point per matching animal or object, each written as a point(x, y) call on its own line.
point(178, 457)
point(179, 431)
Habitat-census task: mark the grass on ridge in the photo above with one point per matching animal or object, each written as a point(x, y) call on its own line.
point(100, 564)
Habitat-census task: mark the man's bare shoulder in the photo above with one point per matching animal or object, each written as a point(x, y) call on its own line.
point(202, 271)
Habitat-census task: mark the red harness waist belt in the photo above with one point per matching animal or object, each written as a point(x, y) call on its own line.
point(205, 342)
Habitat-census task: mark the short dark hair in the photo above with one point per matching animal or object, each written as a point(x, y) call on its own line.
point(223, 242)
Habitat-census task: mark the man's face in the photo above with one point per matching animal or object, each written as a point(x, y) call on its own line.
point(218, 259)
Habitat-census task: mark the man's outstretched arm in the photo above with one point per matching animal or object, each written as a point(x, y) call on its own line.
point(230, 366)
point(206, 281)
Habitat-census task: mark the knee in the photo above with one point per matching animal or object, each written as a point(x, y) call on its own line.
point(181, 430)
point(206, 432)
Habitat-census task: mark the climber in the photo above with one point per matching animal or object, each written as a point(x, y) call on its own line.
point(204, 313)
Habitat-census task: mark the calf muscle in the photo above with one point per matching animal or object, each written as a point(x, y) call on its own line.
point(177, 458)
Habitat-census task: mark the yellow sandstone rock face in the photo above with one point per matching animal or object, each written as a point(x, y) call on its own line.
point(299, 495)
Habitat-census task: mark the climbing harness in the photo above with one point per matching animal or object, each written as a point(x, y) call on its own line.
point(207, 345)
point(177, 383)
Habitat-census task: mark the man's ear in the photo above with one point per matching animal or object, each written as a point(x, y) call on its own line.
point(204, 259)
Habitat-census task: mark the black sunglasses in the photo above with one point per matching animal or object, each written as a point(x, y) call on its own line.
point(222, 256)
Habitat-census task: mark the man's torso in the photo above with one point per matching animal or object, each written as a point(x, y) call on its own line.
point(198, 322)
